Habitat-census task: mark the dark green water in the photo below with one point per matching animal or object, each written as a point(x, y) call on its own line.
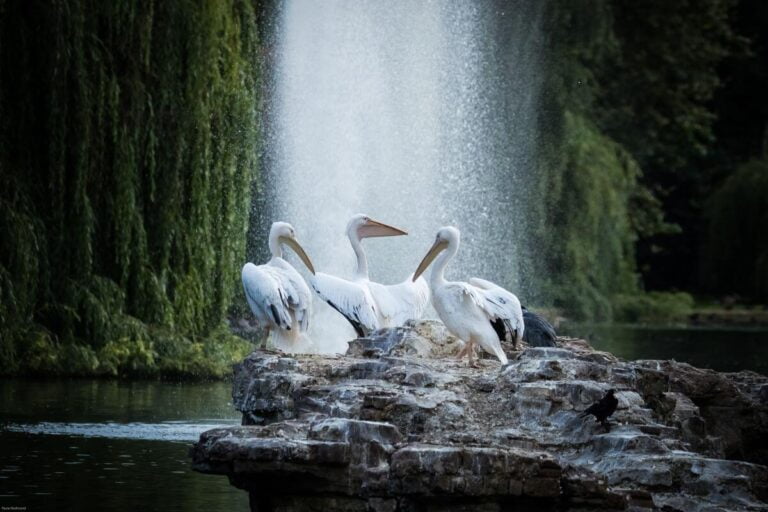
point(725, 350)
point(106, 445)
point(119, 446)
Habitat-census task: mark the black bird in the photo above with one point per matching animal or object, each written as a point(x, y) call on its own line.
point(602, 409)
point(538, 332)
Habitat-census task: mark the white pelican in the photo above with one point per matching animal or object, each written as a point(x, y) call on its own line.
point(478, 312)
point(365, 304)
point(278, 295)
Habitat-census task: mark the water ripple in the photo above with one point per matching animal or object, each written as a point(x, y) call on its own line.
point(165, 431)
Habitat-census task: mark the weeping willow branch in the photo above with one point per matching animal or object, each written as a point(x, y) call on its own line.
point(128, 140)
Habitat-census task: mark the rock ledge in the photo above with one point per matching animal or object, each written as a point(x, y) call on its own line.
point(398, 425)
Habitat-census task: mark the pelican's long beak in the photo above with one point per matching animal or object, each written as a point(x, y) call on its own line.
point(374, 228)
point(436, 248)
point(299, 250)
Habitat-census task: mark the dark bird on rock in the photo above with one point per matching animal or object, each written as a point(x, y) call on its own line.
point(538, 332)
point(603, 409)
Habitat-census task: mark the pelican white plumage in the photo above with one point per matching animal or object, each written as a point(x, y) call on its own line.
point(368, 305)
point(278, 295)
point(478, 312)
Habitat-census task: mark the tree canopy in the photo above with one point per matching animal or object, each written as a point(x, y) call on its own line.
point(129, 136)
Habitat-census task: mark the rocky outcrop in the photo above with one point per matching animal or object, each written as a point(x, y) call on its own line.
point(397, 424)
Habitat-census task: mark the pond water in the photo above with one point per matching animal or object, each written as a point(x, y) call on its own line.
point(723, 349)
point(111, 445)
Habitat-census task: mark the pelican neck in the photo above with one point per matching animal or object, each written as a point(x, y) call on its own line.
point(362, 262)
point(437, 277)
point(275, 247)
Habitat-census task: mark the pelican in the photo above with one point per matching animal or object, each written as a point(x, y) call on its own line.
point(478, 312)
point(368, 305)
point(278, 296)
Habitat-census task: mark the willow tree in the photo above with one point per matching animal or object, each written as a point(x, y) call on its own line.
point(586, 202)
point(623, 115)
point(128, 136)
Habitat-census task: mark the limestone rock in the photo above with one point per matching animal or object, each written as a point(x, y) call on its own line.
point(399, 425)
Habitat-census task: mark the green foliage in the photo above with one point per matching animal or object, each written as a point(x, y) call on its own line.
point(623, 110)
point(736, 251)
point(583, 222)
point(653, 307)
point(588, 225)
point(656, 99)
point(181, 357)
point(128, 139)
point(656, 87)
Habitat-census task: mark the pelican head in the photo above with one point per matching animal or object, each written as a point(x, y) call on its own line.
point(448, 236)
point(362, 226)
point(283, 233)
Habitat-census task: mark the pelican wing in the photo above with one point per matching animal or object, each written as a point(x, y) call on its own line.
point(461, 291)
point(352, 300)
point(296, 290)
point(503, 309)
point(267, 295)
point(462, 296)
point(483, 284)
point(400, 302)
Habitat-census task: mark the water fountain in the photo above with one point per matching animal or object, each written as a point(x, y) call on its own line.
point(418, 113)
